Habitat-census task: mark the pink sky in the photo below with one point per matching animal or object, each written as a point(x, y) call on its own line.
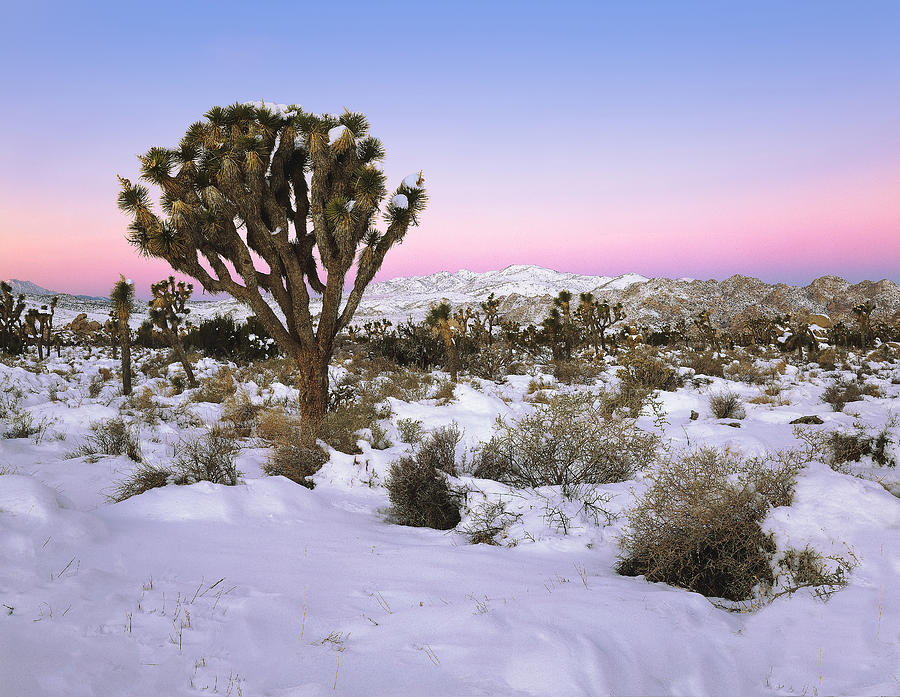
point(845, 225)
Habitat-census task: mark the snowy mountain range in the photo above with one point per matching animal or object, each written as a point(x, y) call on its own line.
point(527, 293)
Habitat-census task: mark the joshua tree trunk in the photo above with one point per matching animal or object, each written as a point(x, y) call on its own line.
point(313, 386)
point(125, 340)
point(178, 350)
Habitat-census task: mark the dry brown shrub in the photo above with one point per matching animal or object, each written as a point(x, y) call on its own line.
point(698, 527)
point(295, 461)
point(421, 496)
point(746, 370)
point(704, 363)
point(726, 405)
point(239, 415)
point(404, 384)
point(105, 374)
point(217, 388)
point(568, 442)
point(642, 369)
point(576, 371)
point(445, 392)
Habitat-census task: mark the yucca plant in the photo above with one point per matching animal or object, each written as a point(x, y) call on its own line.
point(122, 297)
point(447, 328)
point(11, 326)
point(168, 311)
point(300, 191)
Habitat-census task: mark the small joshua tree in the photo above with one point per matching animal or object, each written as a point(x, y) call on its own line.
point(236, 187)
point(444, 326)
point(122, 297)
point(167, 311)
point(39, 325)
point(863, 313)
point(491, 310)
point(596, 317)
point(11, 328)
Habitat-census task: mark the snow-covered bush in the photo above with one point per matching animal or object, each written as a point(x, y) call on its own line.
point(726, 405)
point(289, 456)
point(295, 461)
point(438, 450)
point(698, 525)
point(145, 476)
point(421, 495)
point(568, 441)
point(112, 437)
point(210, 458)
point(410, 431)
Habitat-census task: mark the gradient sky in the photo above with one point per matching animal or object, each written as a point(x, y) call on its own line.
point(673, 139)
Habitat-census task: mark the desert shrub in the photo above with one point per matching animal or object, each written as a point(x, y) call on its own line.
point(222, 337)
point(445, 392)
point(488, 522)
point(852, 446)
point(726, 405)
point(218, 388)
point(295, 461)
point(421, 495)
point(774, 475)
point(698, 527)
point(490, 363)
point(807, 568)
point(144, 406)
point(410, 431)
point(838, 393)
point(210, 458)
point(112, 437)
point(576, 371)
point(567, 442)
point(641, 369)
point(144, 477)
point(95, 387)
point(745, 370)
point(239, 415)
point(405, 384)
point(378, 437)
point(341, 426)
point(704, 363)
point(438, 450)
point(290, 457)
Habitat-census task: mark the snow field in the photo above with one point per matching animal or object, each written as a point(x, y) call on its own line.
point(268, 588)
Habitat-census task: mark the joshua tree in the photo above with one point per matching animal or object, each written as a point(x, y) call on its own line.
point(167, 311)
point(39, 324)
point(491, 310)
point(11, 308)
point(237, 186)
point(444, 326)
point(122, 297)
point(863, 313)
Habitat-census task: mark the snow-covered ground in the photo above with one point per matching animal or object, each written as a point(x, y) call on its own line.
point(269, 588)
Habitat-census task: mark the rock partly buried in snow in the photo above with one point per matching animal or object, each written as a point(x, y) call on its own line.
point(808, 420)
point(81, 325)
point(823, 321)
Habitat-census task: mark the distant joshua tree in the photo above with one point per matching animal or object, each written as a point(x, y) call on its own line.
point(447, 328)
point(168, 311)
point(237, 186)
point(122, 297)
point(11, 328)
point(863, 313)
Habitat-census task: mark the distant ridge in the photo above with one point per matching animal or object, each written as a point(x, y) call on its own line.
point(526, 293)
point(29, 288)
